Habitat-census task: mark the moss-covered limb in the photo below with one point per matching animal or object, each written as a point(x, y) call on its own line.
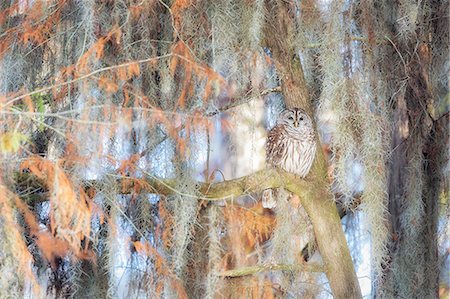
point(244, 271)
point(34, 190)
point(317, 200)
point(226, 190)
point(256, 182)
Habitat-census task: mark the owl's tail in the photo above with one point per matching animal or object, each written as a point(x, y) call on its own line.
point(269, 199)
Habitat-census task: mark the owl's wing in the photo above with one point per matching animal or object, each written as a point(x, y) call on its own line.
point(275, 148)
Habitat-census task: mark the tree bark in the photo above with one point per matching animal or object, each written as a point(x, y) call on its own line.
point(418, 133)
point(318, 202)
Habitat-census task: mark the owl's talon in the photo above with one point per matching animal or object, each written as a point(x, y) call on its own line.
point(268, 200)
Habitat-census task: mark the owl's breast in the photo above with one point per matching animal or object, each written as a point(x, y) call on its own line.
point(294, 154)
point(300, 155)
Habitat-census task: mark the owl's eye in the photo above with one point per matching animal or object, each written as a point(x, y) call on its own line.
point(301, 118)
point(290, 118)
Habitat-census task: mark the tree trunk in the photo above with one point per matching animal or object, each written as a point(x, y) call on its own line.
point(418, 148)
point(319, 203)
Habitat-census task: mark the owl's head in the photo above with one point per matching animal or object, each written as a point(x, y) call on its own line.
point(295, 119)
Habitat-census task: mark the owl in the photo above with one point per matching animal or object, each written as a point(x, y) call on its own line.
point(291, 145)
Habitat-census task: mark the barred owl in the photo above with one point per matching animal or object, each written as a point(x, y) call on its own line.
point(291, 145)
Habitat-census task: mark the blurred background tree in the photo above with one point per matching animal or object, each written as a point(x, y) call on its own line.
point(132, 141)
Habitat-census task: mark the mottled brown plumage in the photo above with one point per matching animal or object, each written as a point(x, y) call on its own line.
point(291, 145)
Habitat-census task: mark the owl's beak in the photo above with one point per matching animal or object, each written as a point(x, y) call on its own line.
point(296, 124)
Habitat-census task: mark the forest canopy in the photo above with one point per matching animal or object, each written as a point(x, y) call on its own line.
point(133, 162)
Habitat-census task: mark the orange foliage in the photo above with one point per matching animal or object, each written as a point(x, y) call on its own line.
point(108, 85)
point(136, 11)
point(35, 26)
point(14, 236)
point(177, 7)
point(165, 233)
point(133, 70)
point(97, 50)
point(226, 125)
point(128, 166)
point(51, 247)
point(29, 103)
point(144, 248)
point(254, 225)
point(123, 73)
point(247, 229)
point(71, 211)
point(36, 32)
point(184, 58)
point(175, 123)
point(4, 14)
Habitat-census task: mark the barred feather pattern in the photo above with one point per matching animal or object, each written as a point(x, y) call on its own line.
point(291, 145)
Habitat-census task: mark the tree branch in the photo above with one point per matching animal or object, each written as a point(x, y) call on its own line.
point(226, 190)
point(34, 190)
point(245, 271)
point(234, 102)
